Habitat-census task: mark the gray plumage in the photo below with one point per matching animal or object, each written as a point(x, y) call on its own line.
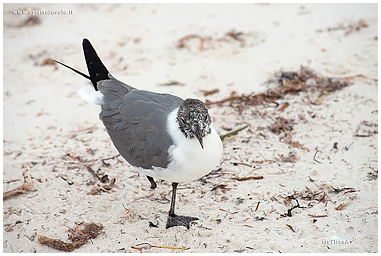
point(134, 120)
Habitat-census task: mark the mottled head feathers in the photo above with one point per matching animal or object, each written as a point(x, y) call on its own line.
point(194, 120)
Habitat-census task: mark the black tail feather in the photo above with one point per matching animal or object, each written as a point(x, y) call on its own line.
point(95, 66)
point(76, 71)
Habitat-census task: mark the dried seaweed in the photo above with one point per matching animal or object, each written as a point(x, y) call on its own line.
point(9, 226)
point(238, 36)
point(372, 175)
point(96, 190)
point(361, 131)
point(291, 158)
point(357, 26)
point(286, 125)
point(232, 34)
point(57, 243)
point(129, 215)
point(338, 190)
point(172, 82)
point(223, 188)
point(298, 145)
point(210, 92)
point(281, 124)
point(310, 196)
point(237, 100)
point(79, 236)
point(287, 82)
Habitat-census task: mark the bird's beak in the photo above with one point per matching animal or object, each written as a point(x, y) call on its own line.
point(200, 140)
point(198, 135)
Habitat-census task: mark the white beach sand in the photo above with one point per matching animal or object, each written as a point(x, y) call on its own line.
point(53, 136)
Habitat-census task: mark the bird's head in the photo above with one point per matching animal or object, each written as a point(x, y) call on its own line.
point(194, 119)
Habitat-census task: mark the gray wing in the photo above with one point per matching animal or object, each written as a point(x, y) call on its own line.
point(113, 89)
point(137, 126)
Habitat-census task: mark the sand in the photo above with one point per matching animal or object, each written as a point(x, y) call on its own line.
point(319, 189)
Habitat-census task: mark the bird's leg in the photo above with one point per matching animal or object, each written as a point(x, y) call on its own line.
point(173, 200)
point(177, 220)
point(153, 183)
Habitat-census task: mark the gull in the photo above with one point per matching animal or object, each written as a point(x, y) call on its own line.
point(161, 135)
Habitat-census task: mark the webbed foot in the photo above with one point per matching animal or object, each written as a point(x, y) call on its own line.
point(177, 220)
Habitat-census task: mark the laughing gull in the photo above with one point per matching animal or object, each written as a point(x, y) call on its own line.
point(161, 135)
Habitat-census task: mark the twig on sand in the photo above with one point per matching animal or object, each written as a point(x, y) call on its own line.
point(209, 92)
point(187, 37)
point(315, 156)
point(237, 163)
point(290, 227)
point(289, 214)
point(338, 190)
point(317, 216)
point(102, 179)
point(109, 158)
point(256, 208)
point(142, 246)
point(23, 189)
point(248, 178)
point(233, 132)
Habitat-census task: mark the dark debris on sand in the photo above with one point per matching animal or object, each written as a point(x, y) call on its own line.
point(283, 83)
point(80, 235)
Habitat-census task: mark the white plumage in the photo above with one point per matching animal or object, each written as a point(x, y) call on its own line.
point(91, 96)
point(188, 160)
